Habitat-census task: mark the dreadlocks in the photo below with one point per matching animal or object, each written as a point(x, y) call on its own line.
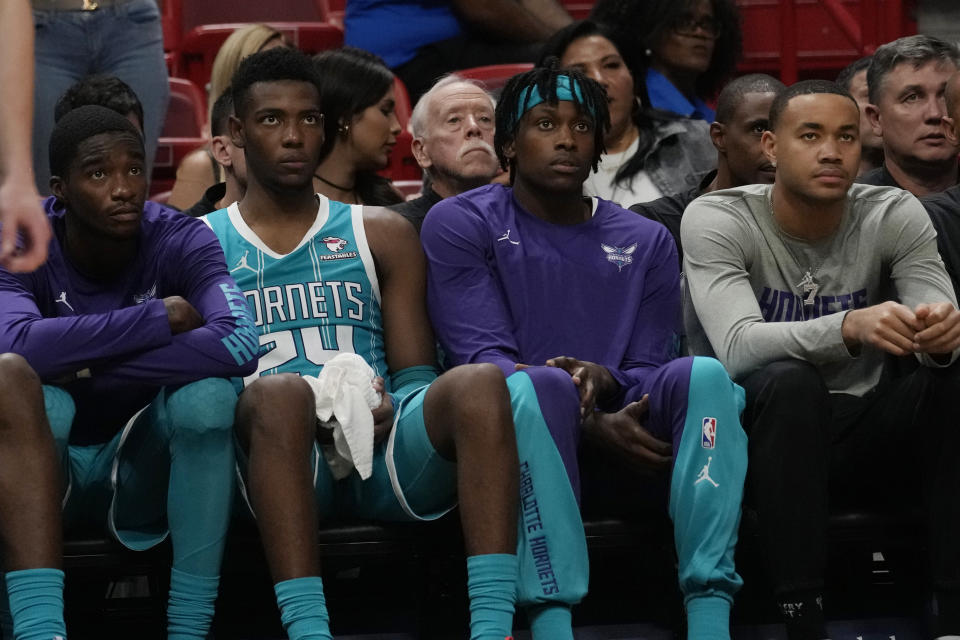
point(586, 94)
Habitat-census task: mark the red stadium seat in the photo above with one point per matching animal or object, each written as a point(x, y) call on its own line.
point(403, 166)
point(495, 76)
point(186, 114)
point(578, 10)
point(409, 188)
point(170, 153)
point(817, 38)
point(402, 99)
point(195, 13)
point(173, 64)
point(336, 9)
point(171, 21)
point(182, 133)
point(201, 45)
point(178, 17)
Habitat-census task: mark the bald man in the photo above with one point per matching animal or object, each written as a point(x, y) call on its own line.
point(743, 109)
point(944, 207)
point(452, 127)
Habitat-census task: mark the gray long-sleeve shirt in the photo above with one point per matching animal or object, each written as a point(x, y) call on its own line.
point(744, 301)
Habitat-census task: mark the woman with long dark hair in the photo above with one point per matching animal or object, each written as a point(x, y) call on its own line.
point(360, 127)
point(649, 153)
point(682, 50)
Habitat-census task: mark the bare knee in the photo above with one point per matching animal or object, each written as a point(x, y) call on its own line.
point(21, 395)
point(278, 407)
point(16, 377)
point(467, 403)
point(472, 388)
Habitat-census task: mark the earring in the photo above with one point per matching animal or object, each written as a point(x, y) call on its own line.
point(774, 164)
point(648, 52)
point(343, 129)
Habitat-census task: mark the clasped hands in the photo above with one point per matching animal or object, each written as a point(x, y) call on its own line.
point(621, 433)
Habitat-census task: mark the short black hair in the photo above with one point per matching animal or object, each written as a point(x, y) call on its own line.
point(101, 90)
point(220, 114)
point(273, 65)
point(592, 99)
point(805, 88)
point(917, 50)
point(639, 26)
point(732, 95)
point(79, 125)
point(845, 77)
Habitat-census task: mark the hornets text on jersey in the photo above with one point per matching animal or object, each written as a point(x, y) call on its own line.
point(319, 300)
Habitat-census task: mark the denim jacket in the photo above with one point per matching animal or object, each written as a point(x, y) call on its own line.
point(681, 154)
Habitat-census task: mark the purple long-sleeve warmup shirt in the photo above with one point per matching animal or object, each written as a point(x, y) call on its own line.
point(505, 286)
point(116, 331)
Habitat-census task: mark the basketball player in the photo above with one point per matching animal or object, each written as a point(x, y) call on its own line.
point(324, 278)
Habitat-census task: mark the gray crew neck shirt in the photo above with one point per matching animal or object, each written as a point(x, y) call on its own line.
point(743, 299)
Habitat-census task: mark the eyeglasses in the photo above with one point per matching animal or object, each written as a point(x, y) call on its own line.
point(687, 25)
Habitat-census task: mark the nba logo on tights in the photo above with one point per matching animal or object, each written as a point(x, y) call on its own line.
point(709, 439)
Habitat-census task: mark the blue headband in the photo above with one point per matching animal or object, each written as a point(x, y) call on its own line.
point(530, 96)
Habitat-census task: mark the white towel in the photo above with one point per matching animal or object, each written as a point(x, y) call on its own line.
point(344, 396)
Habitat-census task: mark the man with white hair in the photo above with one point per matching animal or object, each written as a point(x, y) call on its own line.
point(453, 143)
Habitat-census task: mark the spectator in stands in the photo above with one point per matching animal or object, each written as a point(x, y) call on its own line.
point(20, 212)
point(230, 159)
point(742, 112)
point(432, 434)
point(647, 154)
point(793, 287)
point(944, 207)
point(439, 37)
point(104, 91)
point(200, 170)
point(76, 38)
point(360, 127)
point(907, 80)
point(682, 50)
point(452, 128)
point(520, 275)
point(134, 325)
point(853, 78)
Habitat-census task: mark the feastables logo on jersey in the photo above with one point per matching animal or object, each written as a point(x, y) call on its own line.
point(709, 439)
point(336, 246)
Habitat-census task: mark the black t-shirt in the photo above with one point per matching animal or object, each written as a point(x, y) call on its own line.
point(416, 210)
point(208, 203)
point(879, 177)
point(668, 210)
point(944, 211)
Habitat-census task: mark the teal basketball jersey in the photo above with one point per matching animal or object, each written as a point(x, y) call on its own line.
point(319, 300)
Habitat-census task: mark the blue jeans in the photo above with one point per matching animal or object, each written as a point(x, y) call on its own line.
point(124, 40)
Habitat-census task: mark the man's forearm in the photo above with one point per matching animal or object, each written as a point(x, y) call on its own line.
point(57, 346)
point(505, 19)
point(550, 12)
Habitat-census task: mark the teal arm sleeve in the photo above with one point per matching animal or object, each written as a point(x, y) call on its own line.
point(405, 381)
